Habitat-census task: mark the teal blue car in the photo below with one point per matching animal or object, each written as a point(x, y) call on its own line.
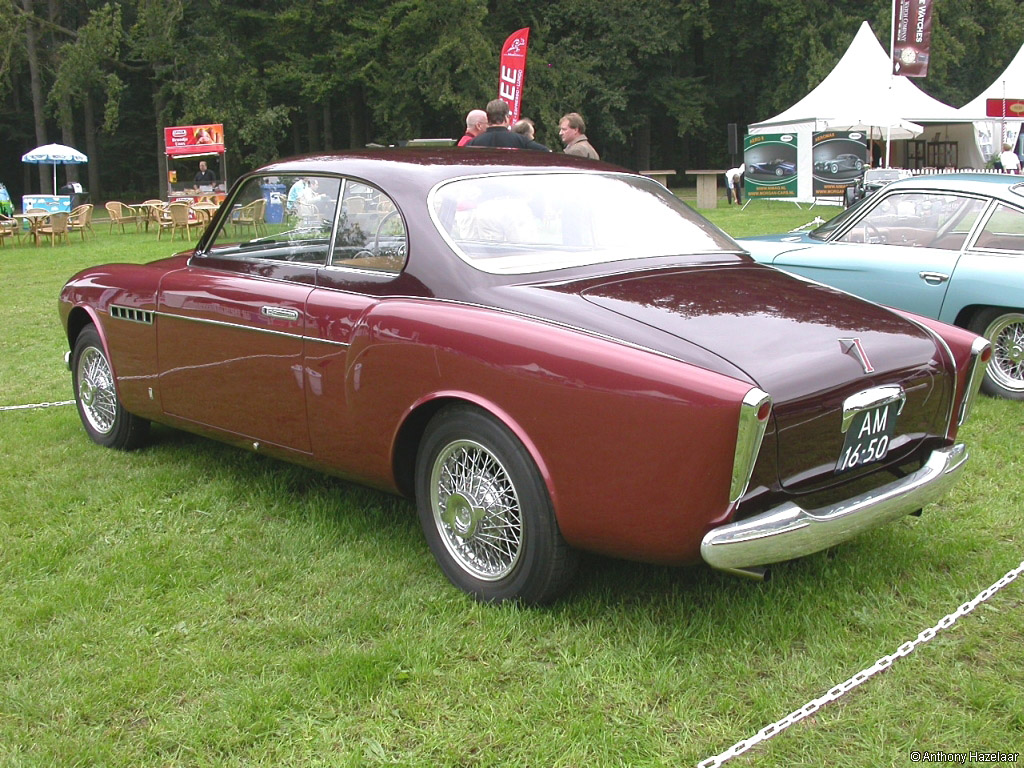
point(949, 247)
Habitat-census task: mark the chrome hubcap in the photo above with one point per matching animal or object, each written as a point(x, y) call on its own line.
point(476, 510)
point(461, 516)
point(1007, 365)
point(96, 395)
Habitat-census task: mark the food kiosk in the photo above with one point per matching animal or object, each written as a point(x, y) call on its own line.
point(186, 147)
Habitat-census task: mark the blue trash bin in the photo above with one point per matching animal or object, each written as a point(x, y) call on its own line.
point(274, 195)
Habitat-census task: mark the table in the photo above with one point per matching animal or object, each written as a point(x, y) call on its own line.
point(150, 211)
point(660, 176)
point(35, 221)
point(204, 211)
point(707, 187)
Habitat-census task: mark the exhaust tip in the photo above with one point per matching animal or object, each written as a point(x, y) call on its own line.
point(754, 572)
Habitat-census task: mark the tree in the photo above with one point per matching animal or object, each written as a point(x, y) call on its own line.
point(84, 72)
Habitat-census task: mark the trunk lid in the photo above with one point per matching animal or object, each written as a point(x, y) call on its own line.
point(809, 346)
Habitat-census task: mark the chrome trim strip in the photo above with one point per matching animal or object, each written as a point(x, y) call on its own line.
point(316, 340)
point(974, 377)
point(392, 273)
point(789, 531)
point(240, 327)
point(749, 436)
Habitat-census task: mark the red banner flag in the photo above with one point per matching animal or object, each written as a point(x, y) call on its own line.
point(513, 70)
point(911, 42)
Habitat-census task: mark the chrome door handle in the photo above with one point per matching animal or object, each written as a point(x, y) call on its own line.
point(933, 278)
point(280, 313)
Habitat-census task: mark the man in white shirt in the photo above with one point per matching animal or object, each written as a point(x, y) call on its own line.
point(734, 183)
point(1009, 160)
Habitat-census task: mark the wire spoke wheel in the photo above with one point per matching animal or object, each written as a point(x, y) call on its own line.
point(103, 415)
point(1004, 329)
point(96, 394)
point(1007, 365)
point(476, 510)
point(486, 512)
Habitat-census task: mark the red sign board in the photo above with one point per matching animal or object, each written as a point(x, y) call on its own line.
point(194, 139)
point(1004, 108)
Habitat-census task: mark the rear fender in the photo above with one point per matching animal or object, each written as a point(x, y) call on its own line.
point(636, 448)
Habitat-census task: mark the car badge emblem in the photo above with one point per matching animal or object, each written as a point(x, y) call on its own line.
point(855, 348)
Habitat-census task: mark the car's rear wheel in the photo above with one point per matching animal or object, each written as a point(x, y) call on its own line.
point(104, 417)
point(486, 513)
point(1005, 330)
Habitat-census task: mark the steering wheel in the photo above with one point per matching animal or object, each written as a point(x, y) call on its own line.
point(872, 234)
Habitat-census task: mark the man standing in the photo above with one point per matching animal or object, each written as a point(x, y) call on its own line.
point(571, 129)
point(1008, 160)
point(204, 176)
point(476, 123)
point(498, 134)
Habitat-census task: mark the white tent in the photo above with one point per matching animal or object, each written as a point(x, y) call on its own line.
point(860, 84)
point(991, 134)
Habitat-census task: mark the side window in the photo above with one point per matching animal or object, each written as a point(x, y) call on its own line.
point(280, 218)
point(371, 231)
point(1004, 230)
point(916, 219)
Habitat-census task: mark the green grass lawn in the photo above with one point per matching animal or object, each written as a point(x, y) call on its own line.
point(190, 604)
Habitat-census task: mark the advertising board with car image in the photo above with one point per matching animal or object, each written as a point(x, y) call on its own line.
point(839, 158)
point(771, 163)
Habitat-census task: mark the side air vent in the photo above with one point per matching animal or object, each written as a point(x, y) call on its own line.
point(134, 315)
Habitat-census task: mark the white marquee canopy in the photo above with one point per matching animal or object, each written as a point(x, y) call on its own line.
point(860, 90)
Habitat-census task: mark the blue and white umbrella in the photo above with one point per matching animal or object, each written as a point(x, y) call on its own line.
point(55, 154)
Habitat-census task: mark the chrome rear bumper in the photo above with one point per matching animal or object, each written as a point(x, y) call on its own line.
point(789, 531)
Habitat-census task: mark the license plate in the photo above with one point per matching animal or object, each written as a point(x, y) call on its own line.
point(868, 436)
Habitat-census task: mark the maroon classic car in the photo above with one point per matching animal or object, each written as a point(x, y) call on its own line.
point(548, 354)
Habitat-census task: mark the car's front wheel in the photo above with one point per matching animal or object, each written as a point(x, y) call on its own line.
point(104, 417)
point(1005, 330)
point(486, 513)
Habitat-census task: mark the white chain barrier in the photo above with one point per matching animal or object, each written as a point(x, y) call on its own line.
point(35, 405)
point(861, 677)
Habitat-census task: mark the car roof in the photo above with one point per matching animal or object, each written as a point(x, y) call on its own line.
point(1002, 185)
point(431, 165)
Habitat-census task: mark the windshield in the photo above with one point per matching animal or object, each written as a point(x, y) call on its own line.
point(825, 230)
point(522, 223)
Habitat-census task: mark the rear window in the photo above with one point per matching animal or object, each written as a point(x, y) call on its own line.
point(523, 223)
